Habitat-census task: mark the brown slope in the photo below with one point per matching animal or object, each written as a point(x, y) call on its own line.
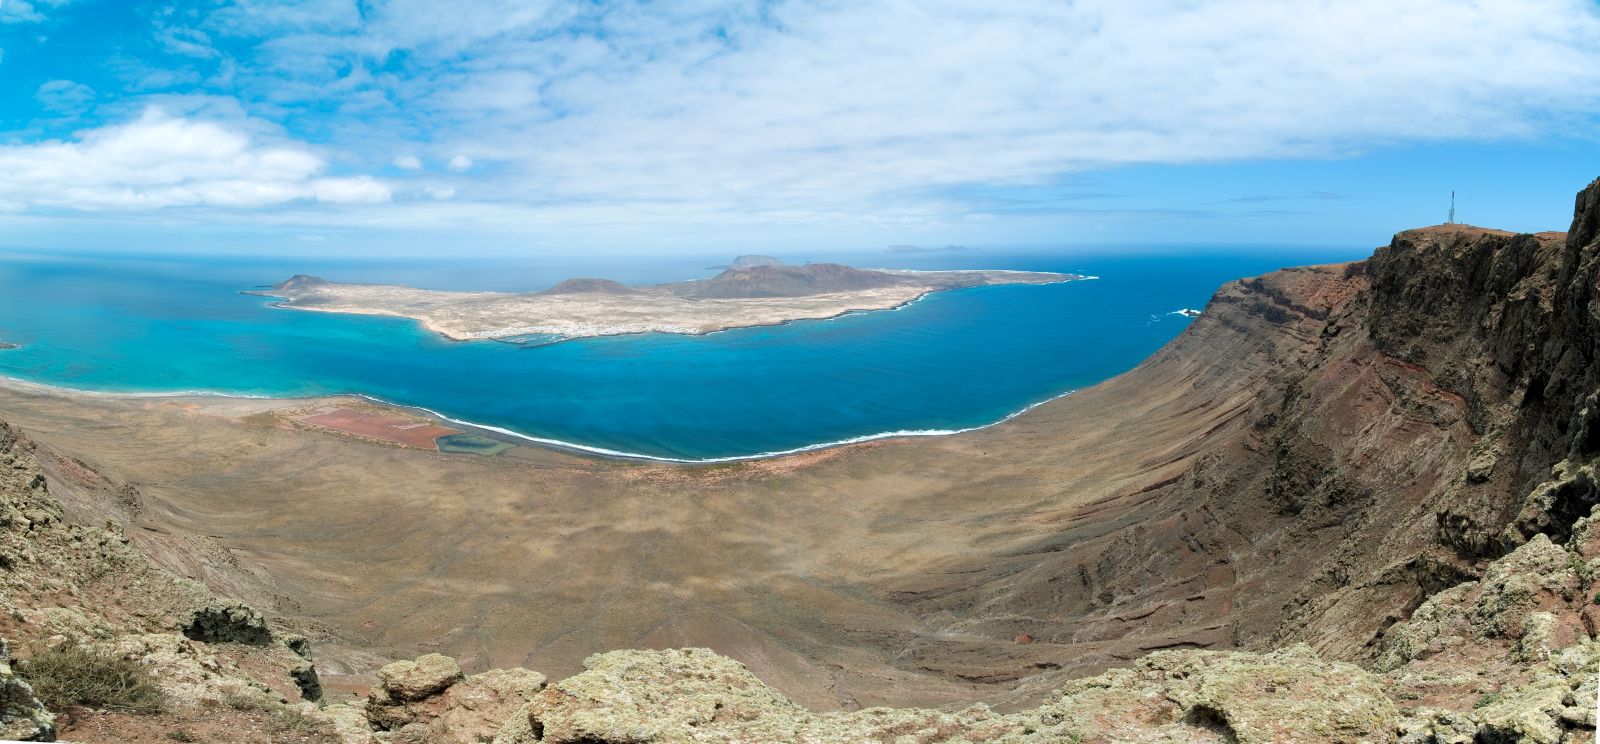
point(1382, 429)
point(1281, 471)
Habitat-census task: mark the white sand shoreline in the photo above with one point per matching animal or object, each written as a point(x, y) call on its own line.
point(212, 396)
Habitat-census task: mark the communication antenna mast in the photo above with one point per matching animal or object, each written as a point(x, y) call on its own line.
point(1452, 219)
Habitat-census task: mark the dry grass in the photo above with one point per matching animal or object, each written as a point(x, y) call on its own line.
point(70, 674)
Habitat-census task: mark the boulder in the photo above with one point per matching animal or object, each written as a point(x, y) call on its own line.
point(429, 675)
point(428, 700)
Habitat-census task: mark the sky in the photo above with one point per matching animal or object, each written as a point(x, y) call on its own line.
point(418, 127)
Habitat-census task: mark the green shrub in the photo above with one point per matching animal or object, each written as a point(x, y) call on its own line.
point(70, 674)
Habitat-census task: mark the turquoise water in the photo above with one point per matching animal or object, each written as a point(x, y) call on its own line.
point(953, 360)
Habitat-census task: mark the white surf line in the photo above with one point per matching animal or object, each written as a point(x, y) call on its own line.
point(63, 390)
point(1070, 277)
point(714, 460)
point(66, 390)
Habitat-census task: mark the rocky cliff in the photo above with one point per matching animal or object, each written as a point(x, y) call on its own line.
point(1376, 524)
point(1377, 432)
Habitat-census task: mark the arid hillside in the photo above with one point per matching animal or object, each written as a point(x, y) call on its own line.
point(1389, 461)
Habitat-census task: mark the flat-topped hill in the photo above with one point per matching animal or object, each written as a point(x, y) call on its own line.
point(791, 281)
point(588, 286)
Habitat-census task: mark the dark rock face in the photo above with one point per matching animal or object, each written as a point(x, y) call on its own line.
point(789, 281)
point(1395, 424)
point(1510, 323)
point(305, 677)
point(588, 286)
point(228, 621)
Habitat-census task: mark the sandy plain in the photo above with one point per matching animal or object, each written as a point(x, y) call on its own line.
point(801, 566)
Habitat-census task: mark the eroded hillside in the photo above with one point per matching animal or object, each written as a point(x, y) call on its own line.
point(1381, 430)
point(1391, 462)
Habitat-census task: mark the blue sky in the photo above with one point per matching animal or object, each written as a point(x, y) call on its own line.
point(413, 126)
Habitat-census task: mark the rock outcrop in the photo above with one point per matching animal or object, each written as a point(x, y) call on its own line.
point(22, 716)
point(228, 621)
point(694, 695)
point(429, 700)
point(62, 581)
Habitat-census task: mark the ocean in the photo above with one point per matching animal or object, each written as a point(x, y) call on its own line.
point(951, 361)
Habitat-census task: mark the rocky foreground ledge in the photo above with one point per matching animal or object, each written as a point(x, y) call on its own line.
point(1525, 627)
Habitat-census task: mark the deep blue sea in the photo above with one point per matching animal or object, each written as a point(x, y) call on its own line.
point(953, 360)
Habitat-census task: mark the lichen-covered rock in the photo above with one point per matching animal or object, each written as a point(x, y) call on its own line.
point(1526, 598)
point(1549, 507)
point(192, 673)
point(428, 700)
point(476, 707)
point(22, 716)
point(1439, 727)
point(429, 675)
point(694, 695)
point(299, 644)
point(1286, 695)
point(1554, 706)
point(348, 722)
point(228, 621)
point(649, 696)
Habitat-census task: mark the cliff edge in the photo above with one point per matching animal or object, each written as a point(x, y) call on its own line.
point(1350, 503)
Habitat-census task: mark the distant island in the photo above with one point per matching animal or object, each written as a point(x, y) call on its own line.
point(907, 248)
point(752, 291)
point(4, 345)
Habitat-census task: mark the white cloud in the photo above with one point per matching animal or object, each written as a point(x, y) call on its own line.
point(18, 11)
point(805, 110)
point(160, 160)
point(64, 96)
point(26, 11)
point(873, 108)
